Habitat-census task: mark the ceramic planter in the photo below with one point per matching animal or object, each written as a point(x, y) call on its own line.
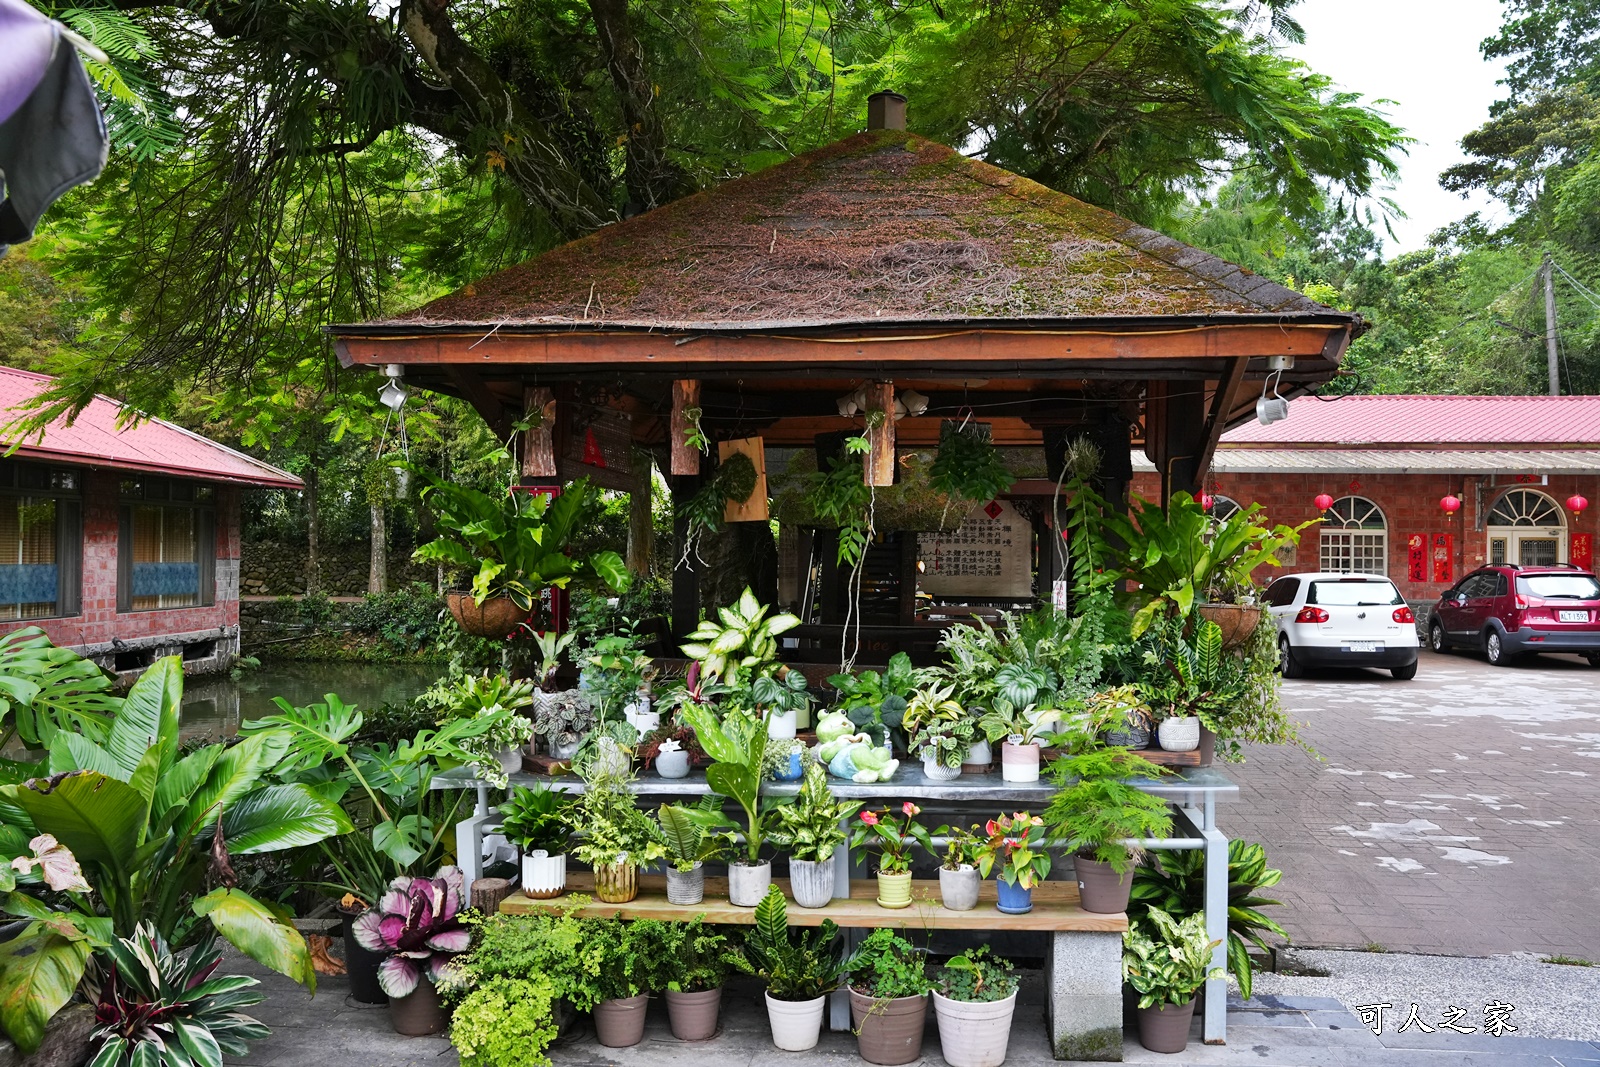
point(496, 617)
point(1013, 899)
point(894, 890)
point(974, 1033)
point(959, 888)
point(672, 762)
point(565, 750)
point(1130, 735)
point(938, 772)
point(609, 759)
point(694, 1015)
point(1019, 763)
point(361, 964)
point(510, 759)
point(641, 718)
point(686, 887)
point(1181, 734)
point(888, 1032)
point(418, 1013)
point(620, 1023)
point(1100, 889)
point(544, 876)
point(811, 882)
point(616, 883)
point(748, 882)
point(781, 725)
point(979, 756)
point(1165, 1027)
point(796, 1024)
point(793, 771)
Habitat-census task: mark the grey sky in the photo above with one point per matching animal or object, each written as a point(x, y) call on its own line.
point(1423, 55)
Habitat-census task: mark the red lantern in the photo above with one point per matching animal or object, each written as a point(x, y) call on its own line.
point(1577, 504)
point(1323, 501)
point(1206, 500)
point(1451, 504)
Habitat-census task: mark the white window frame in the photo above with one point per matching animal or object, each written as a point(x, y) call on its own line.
point(1354, 538)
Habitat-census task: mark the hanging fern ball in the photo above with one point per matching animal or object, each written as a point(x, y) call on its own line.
point(968, 464)
point(736, 478)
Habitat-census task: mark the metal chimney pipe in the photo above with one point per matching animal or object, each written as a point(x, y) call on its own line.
point(886, 111)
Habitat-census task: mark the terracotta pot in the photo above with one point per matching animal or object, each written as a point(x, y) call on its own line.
point(1238, 621)
point(1165, 1027)
point(544, 876)
point(694, 1015)
point(686, 887)
point(796, 1024)
point(361, 964)
point(958, 889)
point(748, 882)
point(418, 1013)
point(811, 882)
point(1100, 889)
point(616, 883)
point(888, 1031)
point(1180, 734)
point(974, 1033)
point(496, 617)
point(620, 1023)
point(894, 890)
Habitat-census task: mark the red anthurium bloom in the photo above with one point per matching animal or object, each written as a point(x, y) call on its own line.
point(910, 808)
point(870, 818)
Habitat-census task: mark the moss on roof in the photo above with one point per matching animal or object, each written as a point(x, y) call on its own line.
point(883, 226)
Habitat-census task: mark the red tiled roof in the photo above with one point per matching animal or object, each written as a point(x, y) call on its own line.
point(153, 446)
point(1429, 422)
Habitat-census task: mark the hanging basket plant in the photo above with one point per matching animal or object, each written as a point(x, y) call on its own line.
point(735, 479)
point(968, 465)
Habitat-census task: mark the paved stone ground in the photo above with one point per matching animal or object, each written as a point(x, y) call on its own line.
point(1458, 813)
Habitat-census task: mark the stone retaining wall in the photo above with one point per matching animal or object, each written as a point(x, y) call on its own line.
point(270, 568)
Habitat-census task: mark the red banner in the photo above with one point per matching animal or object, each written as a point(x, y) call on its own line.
point(1417, 558)
point(1583, 550)
point(1443, 553)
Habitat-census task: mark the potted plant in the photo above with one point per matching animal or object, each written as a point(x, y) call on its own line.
point(974, 997)
point(784, 698)
point(958, 875)
point(738, 744)
point(1167, 970)
point(535, 820)
point(876, 703)
point(693, 962)
point(686, 837)
point(809, 831)
point(563, 720)
point(417, 925)
point(618, 838)
point(800, 968)
point(1126, 713)
point(933, 712)
point(501, 704)
point(515, 546)
point(888, 998)
point(1014, 850)
point(1190, 681)
point(622, 977)
point(671, 760)
point(894, 835)
point(944, 747)
point(1026, 730)
point(785, 760)
point(1097, 809)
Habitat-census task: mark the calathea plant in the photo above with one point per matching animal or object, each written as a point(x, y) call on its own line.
point(418, 924)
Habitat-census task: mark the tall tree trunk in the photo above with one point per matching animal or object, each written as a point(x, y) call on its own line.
point(378, 569)
point(652, 179)
point(641, 518)
point(313, 501)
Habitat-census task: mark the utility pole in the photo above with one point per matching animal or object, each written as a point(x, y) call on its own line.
point(1550, 349)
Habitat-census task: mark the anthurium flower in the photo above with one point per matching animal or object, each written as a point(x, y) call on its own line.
point(870, 818)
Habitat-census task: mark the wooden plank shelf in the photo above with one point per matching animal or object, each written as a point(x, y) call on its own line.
point(1055, 907)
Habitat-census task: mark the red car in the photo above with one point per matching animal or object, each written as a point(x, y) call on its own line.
point(1507, 610)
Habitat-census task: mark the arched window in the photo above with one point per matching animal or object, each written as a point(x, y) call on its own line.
point(1354, 538)
point(1224, 508)
point(1528, 528)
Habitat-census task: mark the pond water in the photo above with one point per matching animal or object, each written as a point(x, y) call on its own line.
point(213, 707)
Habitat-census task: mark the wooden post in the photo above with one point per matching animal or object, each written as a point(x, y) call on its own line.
point(641, 525)
point(539, 439)
point(685, 457)
point(685, 572)
point(879, 468)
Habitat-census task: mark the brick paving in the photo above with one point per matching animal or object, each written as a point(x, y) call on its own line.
point(1458, 813)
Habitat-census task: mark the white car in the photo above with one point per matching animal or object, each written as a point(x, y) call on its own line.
point(1342, 620)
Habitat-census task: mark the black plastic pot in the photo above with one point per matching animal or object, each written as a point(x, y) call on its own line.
point(361, 966)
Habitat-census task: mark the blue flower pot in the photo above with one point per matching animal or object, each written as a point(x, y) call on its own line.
point(795, 772)
point(1014, 900)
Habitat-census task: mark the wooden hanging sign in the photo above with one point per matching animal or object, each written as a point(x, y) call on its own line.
point(755, 507)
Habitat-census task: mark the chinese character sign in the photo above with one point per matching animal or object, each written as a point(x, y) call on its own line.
point(1443, 553)
point(989, 555)
point(1583, 550)
point(1417, 557)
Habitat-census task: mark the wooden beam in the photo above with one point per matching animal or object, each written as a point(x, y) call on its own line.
point(879, 467)
point(1223, 401)
point(685, 457)
point(539, 439)
point(477, 393)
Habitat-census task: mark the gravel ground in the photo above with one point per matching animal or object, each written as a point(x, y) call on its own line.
point(1551, 1000)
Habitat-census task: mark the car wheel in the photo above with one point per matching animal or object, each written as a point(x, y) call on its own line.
point(1286, 662)
point(1494, 648)
point(1594, 659)
point(1406, 673)
point(1436, 639)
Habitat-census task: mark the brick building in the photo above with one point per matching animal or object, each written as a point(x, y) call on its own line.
point(123, 544)
point(1512, 462)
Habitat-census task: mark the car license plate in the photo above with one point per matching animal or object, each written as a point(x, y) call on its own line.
point(1366, 646)
point(1573, 616)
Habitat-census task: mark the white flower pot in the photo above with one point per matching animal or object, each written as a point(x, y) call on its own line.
point(672, 763)
point(609, 759)
point(781, 725)
point(747, 883)
point(938, 772)
point(811, 882)
point(980, 754)
point(640, 717)
point(686, 887)
point(1181, 734)
point(1019, 763)
point(544, 876)
point(796, 1024)
point(958, 889)
point(565, 751)
point(510, 759)
point(974, 1034)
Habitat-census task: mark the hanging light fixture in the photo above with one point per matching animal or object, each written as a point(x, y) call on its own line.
point(1274, 408)
point(1323, 501)
point(393, 394)
point(1451, 504)
point(1577, 503)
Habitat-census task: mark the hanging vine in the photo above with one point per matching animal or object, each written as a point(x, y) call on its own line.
point(968, 465)
point(703, 512)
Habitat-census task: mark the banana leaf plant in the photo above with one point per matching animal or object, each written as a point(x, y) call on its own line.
point(148, 830)
point(45, 690)
point(515, 543)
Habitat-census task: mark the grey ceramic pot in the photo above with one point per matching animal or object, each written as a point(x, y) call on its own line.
point(959, 889)
point(811, 882)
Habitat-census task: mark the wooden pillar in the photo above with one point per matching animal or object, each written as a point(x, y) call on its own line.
point(685, 570)
point(908, 577)
point(879, 467)
point(1176, 435)
point(685, 457)
point(539, 439)
point(641, 515)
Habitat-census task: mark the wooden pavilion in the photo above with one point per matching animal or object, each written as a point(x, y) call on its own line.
point(880, 266)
